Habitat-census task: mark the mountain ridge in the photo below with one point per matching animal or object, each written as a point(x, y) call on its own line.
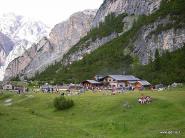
point(61, 38)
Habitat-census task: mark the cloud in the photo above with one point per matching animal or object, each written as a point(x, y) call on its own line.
point(49, 11)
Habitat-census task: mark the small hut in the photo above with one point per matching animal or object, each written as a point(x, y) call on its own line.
point(140, 85)
point(8, 86)
point(90, 84)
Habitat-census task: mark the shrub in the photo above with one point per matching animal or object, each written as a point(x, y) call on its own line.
point(61, 103)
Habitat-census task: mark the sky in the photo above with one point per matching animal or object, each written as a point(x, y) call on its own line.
point(50, 12)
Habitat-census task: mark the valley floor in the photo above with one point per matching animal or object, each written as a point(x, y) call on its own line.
point(94, 115)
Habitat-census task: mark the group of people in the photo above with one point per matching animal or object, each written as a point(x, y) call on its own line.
point(144, 99)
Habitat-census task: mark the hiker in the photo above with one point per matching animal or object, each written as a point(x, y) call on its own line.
point(113, 90)
point(123, 89)
point(19, 91)
point(57, 91)
point(51, 89)
point(148, 99)
point(141, 100)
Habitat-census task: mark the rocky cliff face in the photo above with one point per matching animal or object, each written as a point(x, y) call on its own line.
point(18, 65)
point(66, 34)
point(44, 56)
point(149, 40)
point(62, 37)
point(131, 7)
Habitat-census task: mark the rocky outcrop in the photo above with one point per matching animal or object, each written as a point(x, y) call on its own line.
point(62, 37)
point(131, 7)
point(88, 47)
point(149, 39)
point(43, 57)
point(68, 33)
point(18, 65)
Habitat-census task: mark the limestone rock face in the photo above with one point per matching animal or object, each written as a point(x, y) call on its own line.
point(31, 60)
point(68, 33)
point(149, 40)
point(18, 65)
point(131, 7)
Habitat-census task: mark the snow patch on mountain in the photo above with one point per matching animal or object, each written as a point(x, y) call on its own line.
point(23, 32)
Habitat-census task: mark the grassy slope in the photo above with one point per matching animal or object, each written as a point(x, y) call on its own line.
point(94, 116)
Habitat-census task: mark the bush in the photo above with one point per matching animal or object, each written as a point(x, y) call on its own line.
point(61, 103)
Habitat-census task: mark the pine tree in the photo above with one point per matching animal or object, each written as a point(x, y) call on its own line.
point(157, 60)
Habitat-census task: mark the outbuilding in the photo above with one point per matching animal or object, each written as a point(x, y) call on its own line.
point(140, 85)
point(90, 84)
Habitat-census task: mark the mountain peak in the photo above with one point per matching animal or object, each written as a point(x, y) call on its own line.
point(17, 26)
point(23, 32)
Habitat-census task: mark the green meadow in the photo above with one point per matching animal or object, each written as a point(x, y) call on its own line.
point(94, 115)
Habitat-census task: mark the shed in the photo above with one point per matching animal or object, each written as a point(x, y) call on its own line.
point(91, 84)
point(139, 85)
